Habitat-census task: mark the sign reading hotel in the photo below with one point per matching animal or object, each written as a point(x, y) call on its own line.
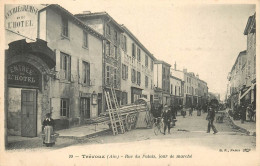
point(22, 20)
point(23, 75)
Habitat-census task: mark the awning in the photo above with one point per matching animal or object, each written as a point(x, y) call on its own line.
point(38, 48)
point(248, 90)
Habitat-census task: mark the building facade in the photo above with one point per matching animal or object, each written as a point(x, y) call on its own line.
point(162, 82)
point(137, 69)
point(57, 71)
point(176, 91)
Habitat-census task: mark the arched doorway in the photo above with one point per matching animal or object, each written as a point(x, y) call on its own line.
point(28, 69)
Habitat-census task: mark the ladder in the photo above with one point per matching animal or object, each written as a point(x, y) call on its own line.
point(111, 113)
point(117, 111)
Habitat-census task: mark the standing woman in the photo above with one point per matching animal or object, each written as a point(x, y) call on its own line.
point(47, 127)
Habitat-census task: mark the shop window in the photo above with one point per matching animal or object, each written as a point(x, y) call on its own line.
point(65, 27)
point(64, 107)
point(65, 66)
point(86, 73)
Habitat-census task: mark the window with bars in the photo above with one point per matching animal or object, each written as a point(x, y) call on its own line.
point(64, 107)
point(65, 66)
point(86, 73)
point(65, 27)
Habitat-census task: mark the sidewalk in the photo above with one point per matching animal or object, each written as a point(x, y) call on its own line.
point(247, 127)
point(87, 131)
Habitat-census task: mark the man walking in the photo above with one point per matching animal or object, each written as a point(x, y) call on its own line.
point(210, 118)
point(166, 115)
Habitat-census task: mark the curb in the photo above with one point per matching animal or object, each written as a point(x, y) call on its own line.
point(243, 130)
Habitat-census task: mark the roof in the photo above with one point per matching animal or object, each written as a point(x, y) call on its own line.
point(250, 26)
point(176, 78)
point(239, 55)
point(126, 30)
point(99, 14)
point(161, 62)
point(57, 7)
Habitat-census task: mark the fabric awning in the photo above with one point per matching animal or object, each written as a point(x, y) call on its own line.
point(248, 90)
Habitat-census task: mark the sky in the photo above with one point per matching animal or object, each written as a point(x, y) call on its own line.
point(204, 38)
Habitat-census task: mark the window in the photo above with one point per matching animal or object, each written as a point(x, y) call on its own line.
point(139, 54)
point(133, 74)
point(65, 65)
point(115, 78)
point(115, 35)
point(86, 73)
point(146, 62)
point(138, 78)
point(108, 30)
point(85, 107)
point(108, 75)
point(115, 52)
point(108, 49)
point(151, 65)
point(146, 81)
point(179, 91)
point(175, 91)
point(124, 72)
point(65, 27)
point(133, 50)
point(64, 107)
point(171, 88)
point(85, 39)
point(125, 43)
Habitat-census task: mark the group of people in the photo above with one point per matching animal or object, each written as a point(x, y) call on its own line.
point(167, 113)
point(244, 112)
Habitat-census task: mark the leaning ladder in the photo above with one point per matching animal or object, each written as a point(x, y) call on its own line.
point(118, 112)
point(111, 113)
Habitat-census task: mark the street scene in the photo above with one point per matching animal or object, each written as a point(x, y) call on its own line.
point(88, 76)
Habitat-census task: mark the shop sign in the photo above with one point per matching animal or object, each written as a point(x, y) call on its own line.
point(23, 75)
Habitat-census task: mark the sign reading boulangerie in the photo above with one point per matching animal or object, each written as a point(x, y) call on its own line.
point(23, 75)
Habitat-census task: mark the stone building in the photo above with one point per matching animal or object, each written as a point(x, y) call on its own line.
point(55, 70)
point(104, 24)
point(176, 90)
point(162, 82)
point(195, 90)
point(137, 69)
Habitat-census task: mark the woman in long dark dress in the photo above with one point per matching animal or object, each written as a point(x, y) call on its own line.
point(47, 126)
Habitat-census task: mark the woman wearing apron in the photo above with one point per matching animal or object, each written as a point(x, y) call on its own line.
point(47, 126)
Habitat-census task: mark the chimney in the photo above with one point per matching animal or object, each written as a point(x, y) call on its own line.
point(175, 66)
point(86, 12)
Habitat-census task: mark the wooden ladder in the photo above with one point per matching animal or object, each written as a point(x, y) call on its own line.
point(111, 113)
point(117, 111)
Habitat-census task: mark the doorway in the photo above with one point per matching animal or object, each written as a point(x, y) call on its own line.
point(28, 113)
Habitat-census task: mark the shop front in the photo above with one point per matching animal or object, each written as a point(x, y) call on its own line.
point(28, 71)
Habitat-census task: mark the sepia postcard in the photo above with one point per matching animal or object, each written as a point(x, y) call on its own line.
point(120, 82)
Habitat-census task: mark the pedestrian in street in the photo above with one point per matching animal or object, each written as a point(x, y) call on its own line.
point(183, 111)
point(48, 130)
point(242, 112)
point(210, 118)
point(166, 115)
point(190, 111)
